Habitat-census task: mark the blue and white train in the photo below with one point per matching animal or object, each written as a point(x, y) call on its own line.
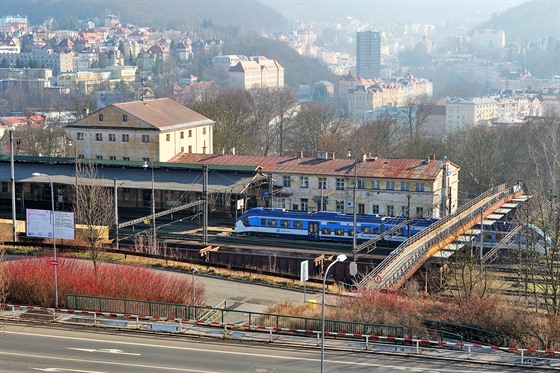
point(323, 226)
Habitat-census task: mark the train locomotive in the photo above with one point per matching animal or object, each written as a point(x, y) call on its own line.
point(324, 225)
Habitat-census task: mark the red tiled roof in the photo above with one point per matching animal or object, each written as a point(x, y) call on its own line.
point(415, 169)
point(21, 120)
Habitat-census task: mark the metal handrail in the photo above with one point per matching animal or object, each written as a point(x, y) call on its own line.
point(494, 194)
point(388, 232)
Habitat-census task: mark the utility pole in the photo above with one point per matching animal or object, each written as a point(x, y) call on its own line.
point(116, 213)
point(355, 227)
point(408, 215)
point(443, 207)
point(205, 215)
point(271, 190)
point(13, 181)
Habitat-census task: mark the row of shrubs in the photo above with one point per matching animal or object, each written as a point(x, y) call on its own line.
point(525, 327)
point(30, 281)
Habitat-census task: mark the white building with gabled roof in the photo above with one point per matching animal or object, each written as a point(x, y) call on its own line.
point(257, 72)
point(154, 130)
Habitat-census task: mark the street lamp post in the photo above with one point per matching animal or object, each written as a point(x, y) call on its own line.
point(194, 270)
point(54, 239)
point(154, 237)
point(13, 182)
point(339, 258)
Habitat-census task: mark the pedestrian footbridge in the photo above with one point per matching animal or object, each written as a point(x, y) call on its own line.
point(406, 259)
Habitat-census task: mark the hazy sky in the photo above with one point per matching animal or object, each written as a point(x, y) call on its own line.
point(410, 11)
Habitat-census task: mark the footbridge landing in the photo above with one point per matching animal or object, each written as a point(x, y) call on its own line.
point(406, 259)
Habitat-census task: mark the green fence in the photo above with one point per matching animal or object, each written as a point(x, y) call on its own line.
point(136, 307)
point(469, 333)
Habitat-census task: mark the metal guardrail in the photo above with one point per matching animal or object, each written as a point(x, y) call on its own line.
point(469, 333)
point(490, 197)
point(429, 347)
point(169, 310)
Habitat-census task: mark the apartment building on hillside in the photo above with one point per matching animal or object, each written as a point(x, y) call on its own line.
point(257, 72)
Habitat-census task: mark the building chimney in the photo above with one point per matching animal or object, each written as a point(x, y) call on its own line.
point(223, 151)
point(85, 111)
point(233, 150)
point(432, 157)
point(299, 154)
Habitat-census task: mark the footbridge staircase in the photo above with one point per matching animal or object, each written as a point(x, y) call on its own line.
point(408, 257)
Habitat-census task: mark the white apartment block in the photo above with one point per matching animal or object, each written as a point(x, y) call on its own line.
point(257, 72)
point(386, 93)
point(488, 39)
point(63, 62)
point(473, 111)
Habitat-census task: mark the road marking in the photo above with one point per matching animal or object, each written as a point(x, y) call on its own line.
point(82, 361)
point(246, 354)
point(66, 370)
point(104, 350)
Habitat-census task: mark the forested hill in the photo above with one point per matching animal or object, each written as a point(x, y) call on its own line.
point(531, 20)
point(174, 14)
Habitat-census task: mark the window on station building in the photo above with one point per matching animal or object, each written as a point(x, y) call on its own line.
point(340, 184)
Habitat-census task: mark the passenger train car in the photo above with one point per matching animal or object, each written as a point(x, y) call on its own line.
point(323, 226)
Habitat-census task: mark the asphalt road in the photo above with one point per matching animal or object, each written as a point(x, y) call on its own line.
point(30, 348)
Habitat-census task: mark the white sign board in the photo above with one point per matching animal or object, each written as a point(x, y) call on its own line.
point(39, 224)
point(240, 203)
point(304, 271)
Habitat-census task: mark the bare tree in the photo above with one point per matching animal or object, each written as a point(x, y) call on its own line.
point(414, 114)
point(284, 108)
point(93, 208)
point(381, 137)
point(318, 128)
point(465, 278)
point(36, 138)
point(264, 119)
point(232, 110)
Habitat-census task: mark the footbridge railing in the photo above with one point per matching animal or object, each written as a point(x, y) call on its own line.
point(411, 254)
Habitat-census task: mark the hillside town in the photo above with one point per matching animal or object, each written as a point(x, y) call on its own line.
point(400, 175)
